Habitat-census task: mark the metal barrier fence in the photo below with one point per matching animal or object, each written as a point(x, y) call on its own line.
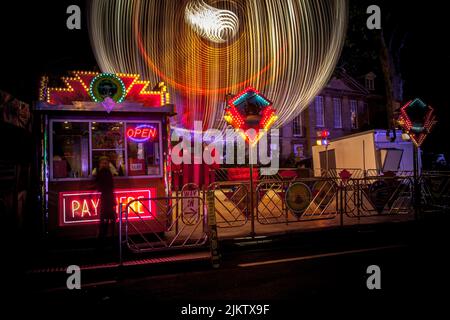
point(299, 200)
point(180, 221)
point(157, 224)
point(312, 199)
point(232, 204)
point(435, 190)
point(378, 196)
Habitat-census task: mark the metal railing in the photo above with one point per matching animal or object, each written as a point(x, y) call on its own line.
point(378, 196)
point(179, 221)
point(316, 200)
point(163, 225)
point(231, 203)
point(435, 190)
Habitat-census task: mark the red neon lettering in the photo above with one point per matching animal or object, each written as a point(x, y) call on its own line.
point(140, 209)
point(137, 207)
point(132, 207)
point(122, 200)
point(85, 209)
point(137, 132)
point(75, 206)
point(95, 205)
point(153, 132)
point(145, 133)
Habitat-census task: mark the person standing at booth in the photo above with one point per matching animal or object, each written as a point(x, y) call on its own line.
point(105, 185)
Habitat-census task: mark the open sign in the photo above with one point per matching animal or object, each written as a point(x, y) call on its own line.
point(141, 133)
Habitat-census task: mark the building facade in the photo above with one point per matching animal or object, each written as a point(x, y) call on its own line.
point(342, 107)
point(15, 162)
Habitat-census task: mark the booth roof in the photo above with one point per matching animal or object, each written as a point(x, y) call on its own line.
point(84, 106)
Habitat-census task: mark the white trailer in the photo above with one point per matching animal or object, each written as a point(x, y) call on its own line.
point(370, 152)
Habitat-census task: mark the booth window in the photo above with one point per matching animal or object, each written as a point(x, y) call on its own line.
point(70, 150)
point(143, 149)
point(108, 140)
point(133, 149)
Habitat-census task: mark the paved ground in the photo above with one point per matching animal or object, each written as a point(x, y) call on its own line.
point(307, 269)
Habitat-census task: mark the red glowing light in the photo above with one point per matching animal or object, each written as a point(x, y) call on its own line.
point(325, 134)
point(237, 118)
point(141, 133)
point(83, 207)
point(417, 132)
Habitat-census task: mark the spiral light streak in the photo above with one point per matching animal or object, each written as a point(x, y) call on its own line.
point(287, 49)
point(211, 23)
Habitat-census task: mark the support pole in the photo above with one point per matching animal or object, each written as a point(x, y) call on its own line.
point(416, 198)
point(212, 229)
point(252, 216)
point(120, 235)
point(341, 202)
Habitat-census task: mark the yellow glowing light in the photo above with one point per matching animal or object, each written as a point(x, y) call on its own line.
point(272, 119)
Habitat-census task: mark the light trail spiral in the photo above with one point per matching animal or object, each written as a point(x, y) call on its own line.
point(287, 49)
point(211, 23)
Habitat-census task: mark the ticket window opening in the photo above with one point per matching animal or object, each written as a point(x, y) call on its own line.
point(70, 150)
point(133, 149)
point(143, 150)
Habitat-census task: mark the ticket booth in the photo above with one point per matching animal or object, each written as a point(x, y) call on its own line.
point(92, 115)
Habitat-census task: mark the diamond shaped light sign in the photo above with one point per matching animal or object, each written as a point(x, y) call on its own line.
point(417, 119)
point(250, 110)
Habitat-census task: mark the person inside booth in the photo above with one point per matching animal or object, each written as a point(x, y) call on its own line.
point(105, 185)
point(109, 165)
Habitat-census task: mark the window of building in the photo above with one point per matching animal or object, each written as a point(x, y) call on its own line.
point(299, 151)
point(354, 114)
point(320, 113)
point(132, 148)
point(297, 126)
point(370, 83)
point(337, 108)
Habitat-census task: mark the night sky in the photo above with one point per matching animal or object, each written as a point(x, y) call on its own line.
point(35, 41)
